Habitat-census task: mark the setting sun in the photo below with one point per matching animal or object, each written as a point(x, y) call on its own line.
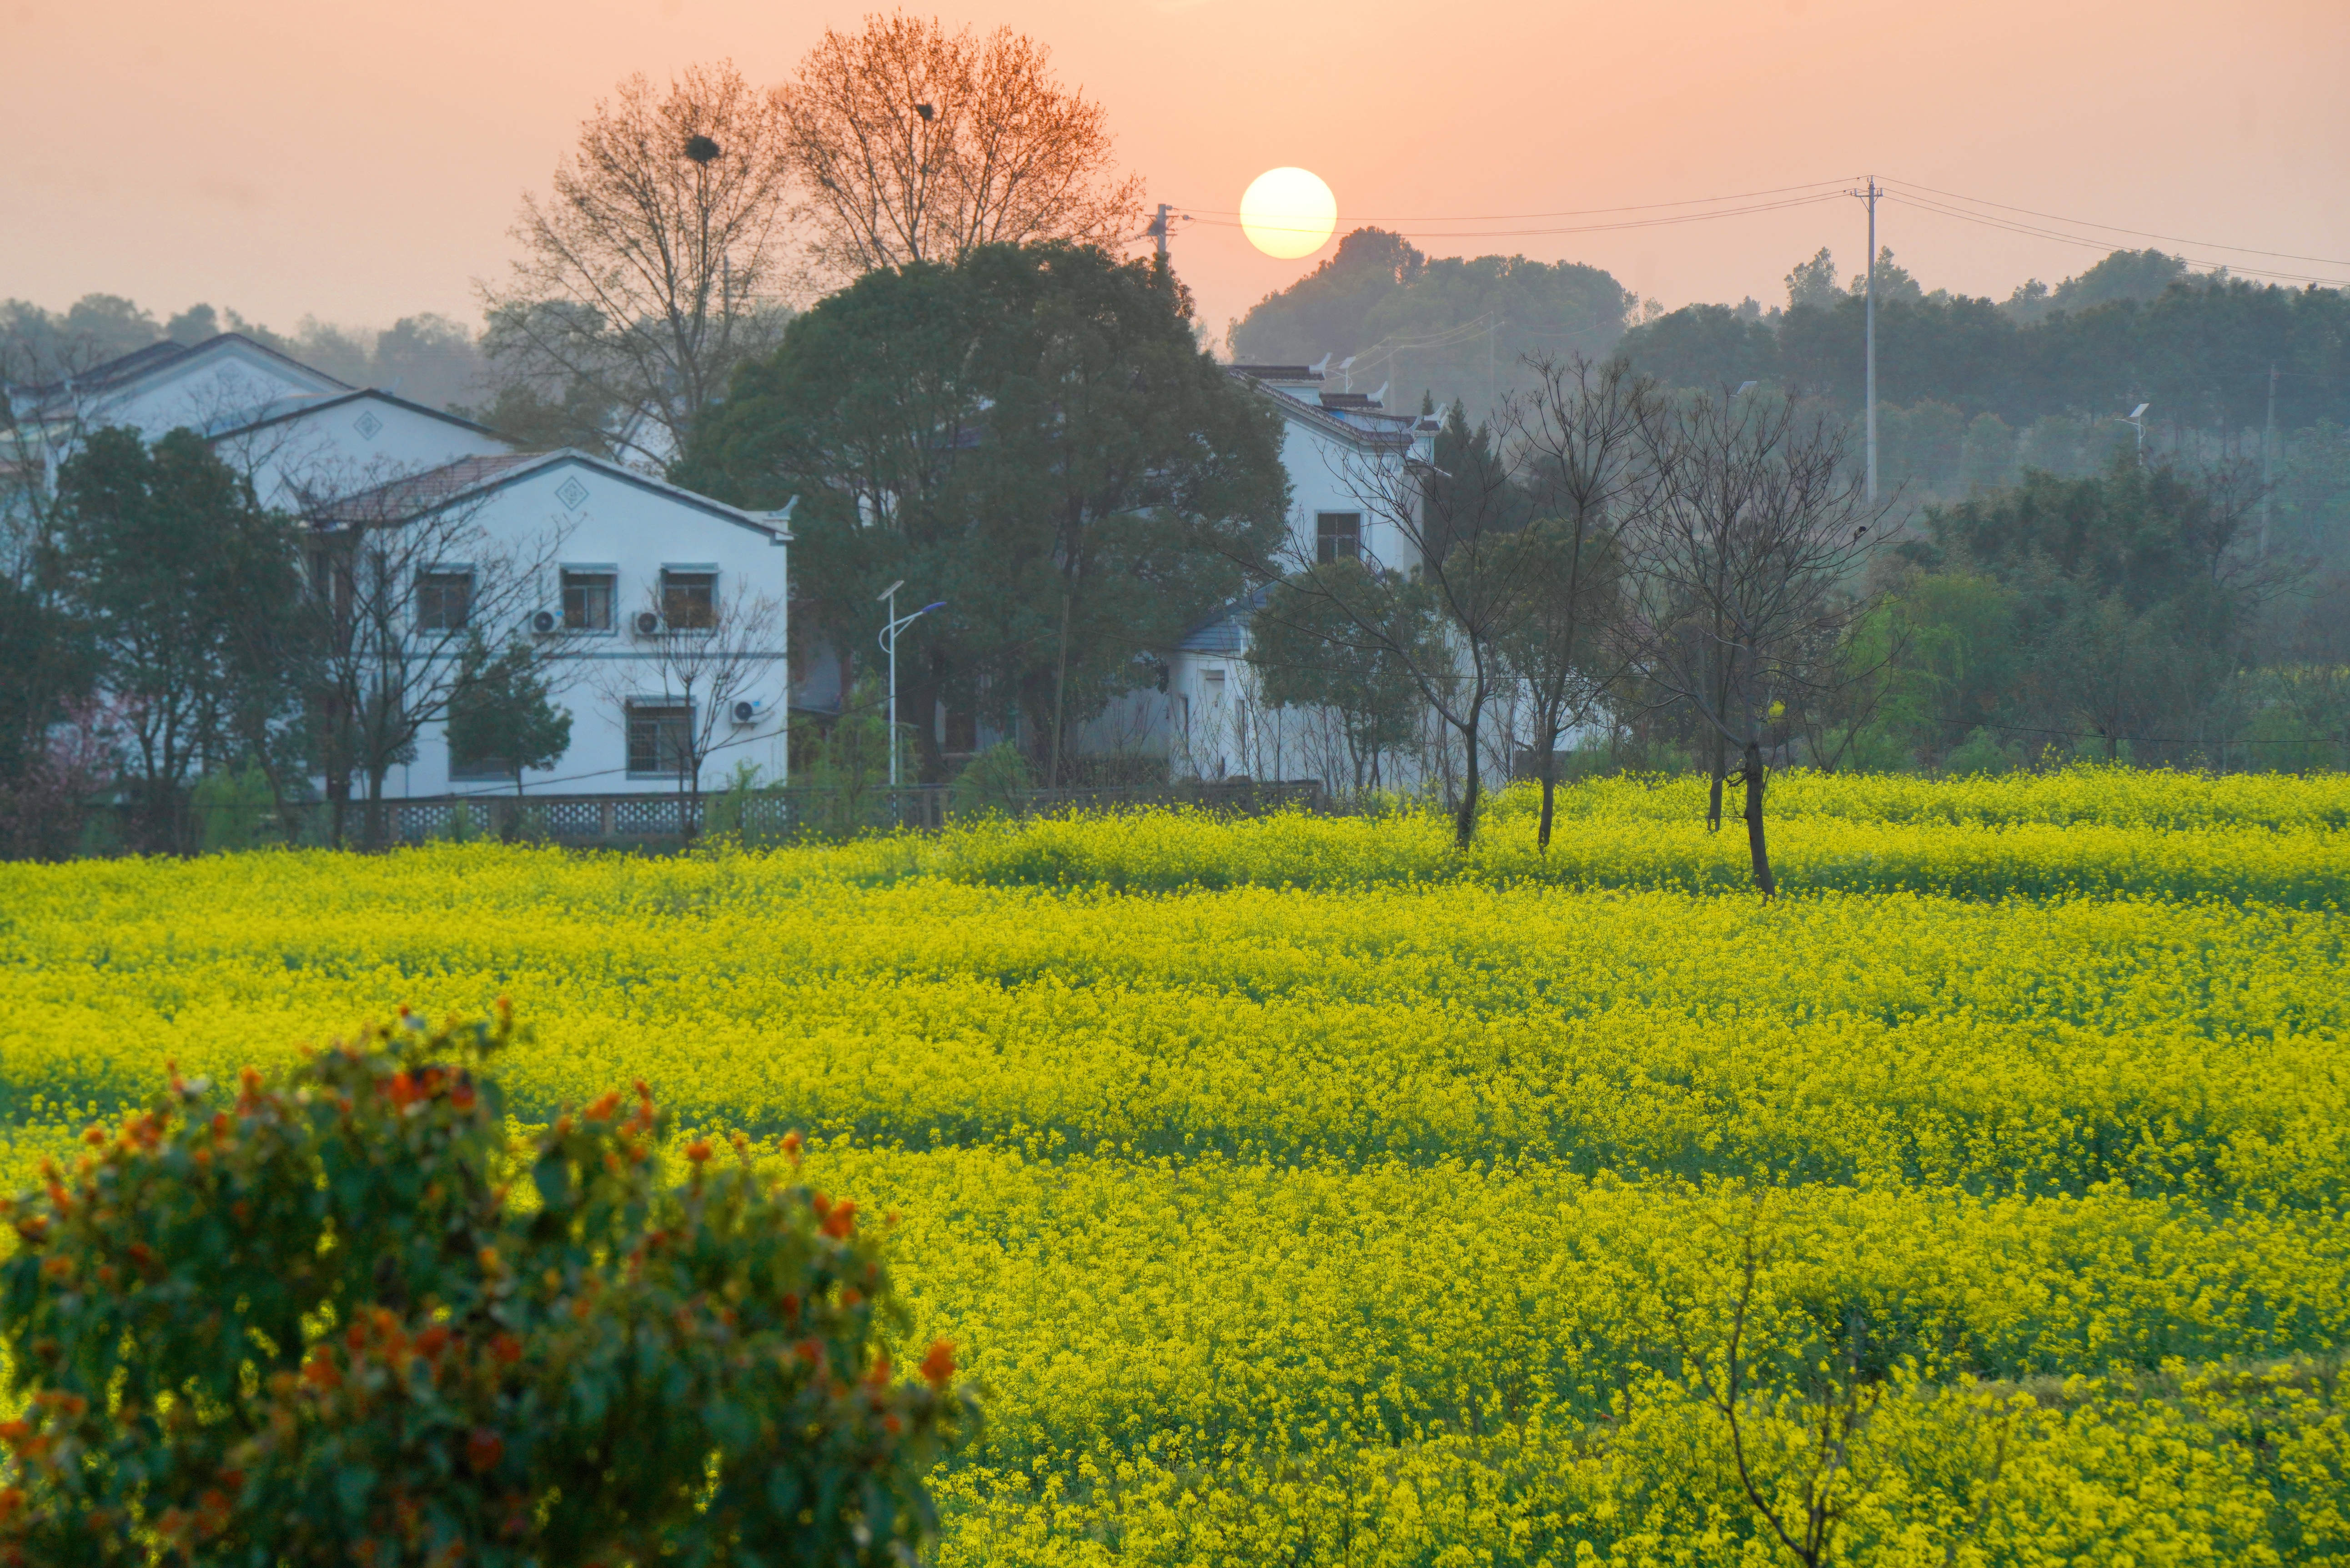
point(1288, 213)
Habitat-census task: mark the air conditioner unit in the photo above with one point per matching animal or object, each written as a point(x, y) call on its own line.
point(543, 622)
point(648, 623)
point(747, 711)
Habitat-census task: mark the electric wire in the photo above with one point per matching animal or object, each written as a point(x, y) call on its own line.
point(1577, 211)
point(2119, 229)
point(1926, 204)
point(1668, 220)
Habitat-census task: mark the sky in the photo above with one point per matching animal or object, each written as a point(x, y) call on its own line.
point(361, 160)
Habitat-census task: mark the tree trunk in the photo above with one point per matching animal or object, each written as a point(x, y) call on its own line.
point(1060, 688)
point(1719, 766)
point(1465, 824)
point(1753, 776)
point(376, 822)
point(1549, 771)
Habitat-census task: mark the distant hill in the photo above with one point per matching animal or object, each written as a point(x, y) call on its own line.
point(1445, 328)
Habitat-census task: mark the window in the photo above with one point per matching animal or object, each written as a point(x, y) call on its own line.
point(588, 600)
point(688, 599)
point(1337, 536)
point(444, 600)
point(660, 739)
point(462, 768)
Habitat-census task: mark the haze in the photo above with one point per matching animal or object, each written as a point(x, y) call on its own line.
point(362, 162)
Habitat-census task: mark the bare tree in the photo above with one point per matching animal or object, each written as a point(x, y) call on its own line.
point(402, 577)
point(1802, 1484)
point(708, 649)
point(656, 266)
point(1582, 426)
point(1757, 523)
point(912, 143)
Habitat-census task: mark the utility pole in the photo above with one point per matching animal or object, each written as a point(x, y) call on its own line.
point(2268, 462)
point(1164, 224)
point(1871, 310)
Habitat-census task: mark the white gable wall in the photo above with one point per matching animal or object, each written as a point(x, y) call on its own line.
point(1327, 473)
point(341, 446)
point(210, 388)
point(634, 531)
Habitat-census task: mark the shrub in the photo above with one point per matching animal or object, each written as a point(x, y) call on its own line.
point(307, 1324)
point(992, 782)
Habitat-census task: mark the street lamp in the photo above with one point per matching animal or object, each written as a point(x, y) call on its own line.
point(898, 623)
point(2136, 419)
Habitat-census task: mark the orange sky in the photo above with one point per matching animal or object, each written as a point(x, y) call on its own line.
point(361, 160)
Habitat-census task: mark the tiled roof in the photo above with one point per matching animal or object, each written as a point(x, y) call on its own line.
point(1276, 372)
point(131, 367)
point(417, 493)
point(1226, 631)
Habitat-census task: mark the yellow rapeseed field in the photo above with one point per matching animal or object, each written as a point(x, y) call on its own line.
point(1302, 1192)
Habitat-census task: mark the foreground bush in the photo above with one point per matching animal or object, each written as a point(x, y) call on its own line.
point(310, 1326)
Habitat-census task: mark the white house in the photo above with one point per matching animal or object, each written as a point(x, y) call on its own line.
point(1334, 445)
point(621, 563)
point(608, 546)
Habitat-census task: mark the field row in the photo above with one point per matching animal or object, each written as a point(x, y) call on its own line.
point(1209, 1362)
point(2032, 1046)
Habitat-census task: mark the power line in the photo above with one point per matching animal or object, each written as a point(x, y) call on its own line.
point(1565, 229)
point(2117, 228)
point(1574, 212)
point(2009, 225)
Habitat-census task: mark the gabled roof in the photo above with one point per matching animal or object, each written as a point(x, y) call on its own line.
point(1226, 630)
point(1296, 391)
point(301, 408)
point(469, 478)
point(156, 357)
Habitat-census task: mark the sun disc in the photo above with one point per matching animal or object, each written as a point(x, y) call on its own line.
point(1288, 213)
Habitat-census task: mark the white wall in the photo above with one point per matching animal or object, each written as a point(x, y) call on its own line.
point(209, 389)
point(349, 445)
point(636, 531)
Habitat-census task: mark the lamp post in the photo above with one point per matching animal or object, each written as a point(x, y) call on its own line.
point(2136, 419)
point(898, 623)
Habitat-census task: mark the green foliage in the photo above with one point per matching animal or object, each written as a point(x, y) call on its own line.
point(849, 768)
point(1342, 647)
point(1981, 753)
point(309, 1325)
point(2134, 328)
point(179, 574)
point(234, 810)
point(1031, 435)
point(991, 782)
point(1458, 326)
point(500, 709)
point(728, 813)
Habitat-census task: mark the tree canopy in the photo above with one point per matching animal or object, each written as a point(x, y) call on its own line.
point(1029, 434)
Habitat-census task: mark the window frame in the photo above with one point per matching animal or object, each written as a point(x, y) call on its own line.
point(610, 577)
point(442, 574)
point(680, 711)
point(681, 572)
point(1326, 540)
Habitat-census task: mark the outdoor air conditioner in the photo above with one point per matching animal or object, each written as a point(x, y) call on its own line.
point(648, 623)
point(747, 711)
point(543, 622)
